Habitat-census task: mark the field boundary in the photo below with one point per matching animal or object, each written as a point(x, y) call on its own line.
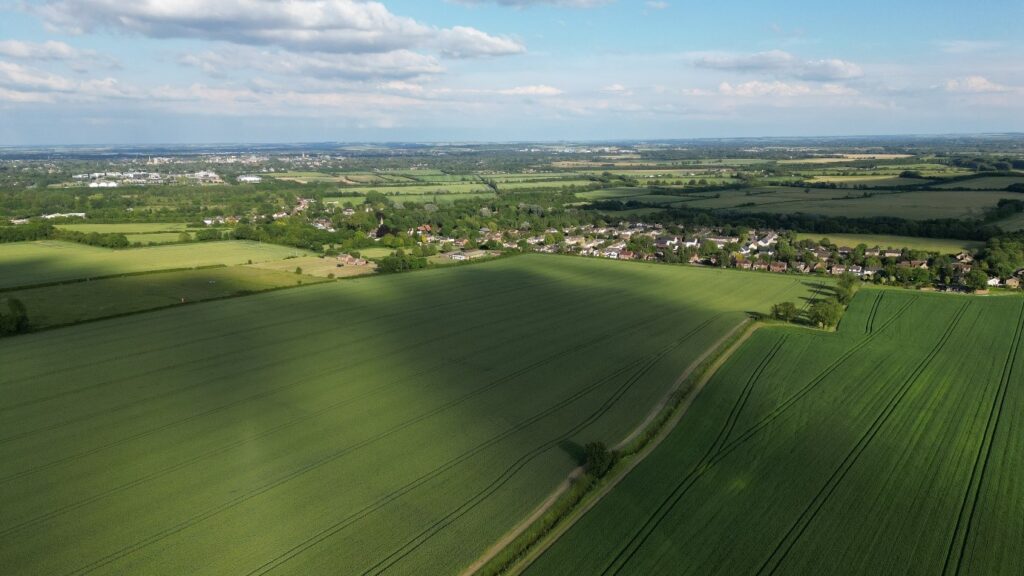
point(637, 445)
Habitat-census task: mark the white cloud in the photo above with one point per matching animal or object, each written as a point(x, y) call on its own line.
point(656, 4)
point(394, 64)
point(535, 90)
point(525, 3)
point(38, 50)
point(334, 26)
point(780, 63)
point(976, 85)
point(617, 89)
point(463, 42)
point(756, 88)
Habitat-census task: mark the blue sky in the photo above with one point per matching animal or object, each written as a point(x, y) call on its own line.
point(168, 71)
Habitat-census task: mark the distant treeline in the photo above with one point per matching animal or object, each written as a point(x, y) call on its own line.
point(47, 231)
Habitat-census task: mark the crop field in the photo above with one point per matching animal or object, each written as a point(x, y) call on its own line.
point(80, 301)
point(917, 205)
point(890, 447)
point(30, 263)
point(985, 183)
point(439, 188)
point(396, 423)
point(545, 184)
point(612, 193)
point(438, 198)
point(871, 181)
point(940, 245)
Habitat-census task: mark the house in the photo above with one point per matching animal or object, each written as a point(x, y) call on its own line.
point(922, 264)
point(964, 257)
point(457, 256)
point(743, 264)
point(993, 281)
point(1012, 283)
point(871, 272)
point(249, 179)
point(666, 242)
point(837, 270)
point(800, 267)
point(759, 266)
point(845, 250)
point(890, 253)
point(856, 270)
point(721, 241)
point(778, 267)
point(626, 255)
point(873, 251)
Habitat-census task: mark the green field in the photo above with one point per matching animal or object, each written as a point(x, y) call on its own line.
point(157, 238)
point(985, 183)
point(916, 205)
point(871, 181)
point(940, 245)
point(78, 301)
point(397, 423)
point(30, 263)
point(127, 228)
point(890, 447)
point(416, 189)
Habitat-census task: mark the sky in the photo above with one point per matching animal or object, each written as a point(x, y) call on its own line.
point(236, 71)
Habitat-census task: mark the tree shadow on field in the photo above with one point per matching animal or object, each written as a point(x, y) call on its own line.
point(574, 450)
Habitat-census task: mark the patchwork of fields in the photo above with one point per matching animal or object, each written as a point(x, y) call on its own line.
point(397, 423)
point(889, 447)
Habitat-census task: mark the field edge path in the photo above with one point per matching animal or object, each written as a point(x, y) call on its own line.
point(547, 540)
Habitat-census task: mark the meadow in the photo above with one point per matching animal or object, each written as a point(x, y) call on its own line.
point(889, 447)
point(939, 245)
point(128, 228)
point(31, 263)
point(397, 423)
point(320, 267)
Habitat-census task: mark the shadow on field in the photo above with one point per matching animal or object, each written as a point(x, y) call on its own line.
point(574, 450)
point(349, 391)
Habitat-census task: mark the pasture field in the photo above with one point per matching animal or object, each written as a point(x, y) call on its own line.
point(316, 266)
point(31, 263)
point(940, 245)
point(985, 183)
point(396, 423)
point(79, 301)
point(889, 447)
point(128, 228)
point(157, 237)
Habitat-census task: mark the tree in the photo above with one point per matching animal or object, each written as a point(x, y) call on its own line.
point(826, 313)
point(846, 288)
point(599, 459)
point(977, 280)
point(16, 318)
point(785, 311)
